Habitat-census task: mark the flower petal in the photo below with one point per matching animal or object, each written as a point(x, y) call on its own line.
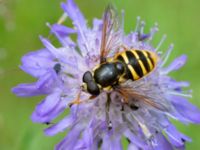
point(186, 109)
point(79, 22)
point(132, 147)
point(37, 63)
point(135, 140)
point(59, 108)
point(88, 137)
point(175, 65)
point(75, 14)
point(175, 137)
point(60, 126)
point(43, 86)
point(50, 102)
point(70, 141)
point(59, 54)
point(64, 41)
point(162, 143)
point(63, 30)
point(111, 143)
point(29, 89)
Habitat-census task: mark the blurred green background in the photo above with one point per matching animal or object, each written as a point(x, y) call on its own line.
point(22, 21)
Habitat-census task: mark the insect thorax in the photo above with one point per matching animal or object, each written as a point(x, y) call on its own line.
point(108, 74)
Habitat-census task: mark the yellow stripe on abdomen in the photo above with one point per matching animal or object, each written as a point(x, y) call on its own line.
point(140, 62)
point(133, 72)
point(148, 59)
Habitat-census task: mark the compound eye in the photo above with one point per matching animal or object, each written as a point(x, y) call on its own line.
point(93, 88)
point(120, 67)
point(87, 77)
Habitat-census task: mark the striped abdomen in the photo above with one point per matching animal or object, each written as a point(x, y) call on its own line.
point(138, 63)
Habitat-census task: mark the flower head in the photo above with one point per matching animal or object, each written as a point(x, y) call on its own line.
point(103, 120)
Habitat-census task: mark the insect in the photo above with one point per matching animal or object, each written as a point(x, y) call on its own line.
point(129, 64)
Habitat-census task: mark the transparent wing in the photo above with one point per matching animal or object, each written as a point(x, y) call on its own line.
point(111, 33)
point(130, 94)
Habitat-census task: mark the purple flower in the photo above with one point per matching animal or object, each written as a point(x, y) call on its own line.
point(91, 124)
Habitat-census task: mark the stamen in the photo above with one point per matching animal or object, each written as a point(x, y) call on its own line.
point(153, 31)
point(62, 40)
point(179, 84)
point(62, 18)
point(167, 54)
point(159, 53)
point(137, 24)
point(180, 94)
point(161, 42)
point(153, 142)
point(144, 128)
point(110, 125)
point(60, 21)
point(142, 27)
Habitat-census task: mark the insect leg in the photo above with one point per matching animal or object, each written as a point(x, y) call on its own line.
point(109, 123)
point(125, 97)
point(78, 101)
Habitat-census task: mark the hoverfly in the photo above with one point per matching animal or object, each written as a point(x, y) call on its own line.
point(130, 64)
point(119, 68)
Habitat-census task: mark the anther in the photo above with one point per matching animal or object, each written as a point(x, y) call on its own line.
point(57, 68)
point(48, 123)
point(122, 108)
point(62, 18)
point(134, 107)
point(153, 32)
point(183, 140)
point(109, 125)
